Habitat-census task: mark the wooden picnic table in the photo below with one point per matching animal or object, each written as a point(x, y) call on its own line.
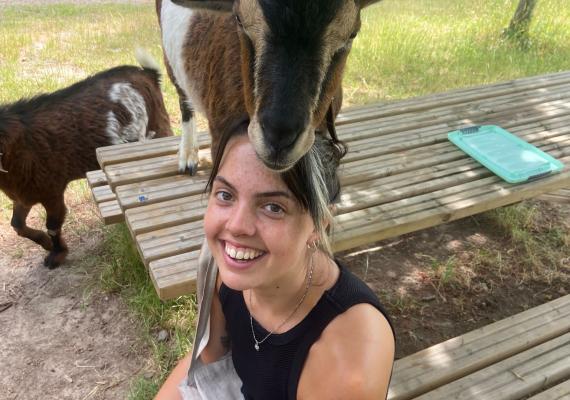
point(401, 174)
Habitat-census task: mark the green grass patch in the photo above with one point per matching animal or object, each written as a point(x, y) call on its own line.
point(540, 242)
point(414, 47)
point(124, 273)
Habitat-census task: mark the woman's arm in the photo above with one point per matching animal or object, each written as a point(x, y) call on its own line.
point(353, 358)
point(169, 389)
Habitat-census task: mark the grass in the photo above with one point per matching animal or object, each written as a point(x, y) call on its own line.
point(406, 48)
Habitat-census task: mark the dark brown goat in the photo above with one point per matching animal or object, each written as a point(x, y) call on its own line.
point(274, 67)
point(50, 140)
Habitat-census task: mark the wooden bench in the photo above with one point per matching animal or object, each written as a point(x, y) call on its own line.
point(524, 355)
point(401, 174)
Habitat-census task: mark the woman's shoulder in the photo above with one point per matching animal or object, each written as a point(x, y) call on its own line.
point(357, 346)
point(358, 349)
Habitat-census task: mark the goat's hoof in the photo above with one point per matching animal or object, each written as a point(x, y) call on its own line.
point(55, 259)
point(190, 168)
point(188, 162)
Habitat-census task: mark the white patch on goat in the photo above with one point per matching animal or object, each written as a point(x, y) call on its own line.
point(133, 101)
point(175, 22)
point(188, 149)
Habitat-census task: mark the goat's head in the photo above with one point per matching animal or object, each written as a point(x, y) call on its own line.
point(293, 56)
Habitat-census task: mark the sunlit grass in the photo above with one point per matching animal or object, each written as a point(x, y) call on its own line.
point(413, 47)
point(70, 42)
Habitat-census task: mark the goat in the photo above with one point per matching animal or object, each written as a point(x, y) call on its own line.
point(274, 67)
point(49, 140)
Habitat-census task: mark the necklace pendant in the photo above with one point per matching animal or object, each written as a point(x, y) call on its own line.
point(256, 346)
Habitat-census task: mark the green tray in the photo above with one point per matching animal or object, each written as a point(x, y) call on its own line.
point(505, 154)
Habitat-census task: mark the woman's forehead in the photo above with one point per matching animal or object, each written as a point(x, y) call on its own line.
point(240, 163)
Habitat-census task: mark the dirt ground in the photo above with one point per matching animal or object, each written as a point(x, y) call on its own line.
point(60, 336)
point(426, 311)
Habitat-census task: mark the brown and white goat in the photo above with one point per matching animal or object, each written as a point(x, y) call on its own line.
point(274, 66)
point(49, 140)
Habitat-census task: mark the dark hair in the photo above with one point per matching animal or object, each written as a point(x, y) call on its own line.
point(313, 180)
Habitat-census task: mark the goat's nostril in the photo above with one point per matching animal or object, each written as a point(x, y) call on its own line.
point(281, 131)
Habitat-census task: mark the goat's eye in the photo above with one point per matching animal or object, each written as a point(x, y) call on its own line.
point(238, 20)
point(353, 35)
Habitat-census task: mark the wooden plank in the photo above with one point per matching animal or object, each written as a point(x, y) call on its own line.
point(405, 138)
point(171, 241)
point(558, 392)
point(515, 377)
point(458, 357)
point(175, 276)
point(96, 178)
point(103, 193)
point(560, 196)
point(126, 152)
point(422, 157)
point(372, 224)
point(111, 212)
point(416, 181)
point(458, 118)
point(503, 108)
point(164, 214)
point(459, 94)
point(163, 189)
point(456, 96)
point(158, 167)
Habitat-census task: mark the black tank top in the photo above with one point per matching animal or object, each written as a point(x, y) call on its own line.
point(273, 372)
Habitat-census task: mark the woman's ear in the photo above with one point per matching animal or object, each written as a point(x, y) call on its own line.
point(313, 239)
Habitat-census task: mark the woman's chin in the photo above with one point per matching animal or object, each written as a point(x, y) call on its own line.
point(238, 274)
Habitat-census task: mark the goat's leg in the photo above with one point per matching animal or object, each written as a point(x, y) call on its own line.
point(55, 209)
point(19, 216)
point(188, 150)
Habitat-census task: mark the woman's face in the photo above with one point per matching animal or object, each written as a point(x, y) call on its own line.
point(257, 231)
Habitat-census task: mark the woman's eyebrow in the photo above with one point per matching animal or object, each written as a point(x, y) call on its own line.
point(273, 193)
point(277, 193)
point(223, 181)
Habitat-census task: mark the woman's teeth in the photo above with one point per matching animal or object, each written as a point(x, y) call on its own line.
point(239, 253)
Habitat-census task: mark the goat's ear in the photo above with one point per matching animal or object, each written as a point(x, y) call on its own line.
point(217, 5)
point(366, 3)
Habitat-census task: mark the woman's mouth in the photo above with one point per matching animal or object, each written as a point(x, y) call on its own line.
point(241, 254)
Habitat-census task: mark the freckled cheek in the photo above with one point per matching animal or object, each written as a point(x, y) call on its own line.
point(212, 221)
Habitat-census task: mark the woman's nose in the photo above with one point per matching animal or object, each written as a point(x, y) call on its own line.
point(241, 221)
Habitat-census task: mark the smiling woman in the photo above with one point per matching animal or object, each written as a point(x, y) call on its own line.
point(283, 306)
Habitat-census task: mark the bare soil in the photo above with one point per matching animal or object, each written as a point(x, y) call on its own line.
point(61, 337)
point(426, 310)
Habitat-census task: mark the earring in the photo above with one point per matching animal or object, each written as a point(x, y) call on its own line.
point(313, 246)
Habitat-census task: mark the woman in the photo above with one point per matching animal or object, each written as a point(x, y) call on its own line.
point(298, 324)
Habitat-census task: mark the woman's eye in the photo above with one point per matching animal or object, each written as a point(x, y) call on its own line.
point(222, 195)
point(274, 208)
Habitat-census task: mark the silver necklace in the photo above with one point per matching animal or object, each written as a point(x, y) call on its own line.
point(258, 342)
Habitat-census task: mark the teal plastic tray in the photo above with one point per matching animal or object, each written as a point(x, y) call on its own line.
point(505, 154)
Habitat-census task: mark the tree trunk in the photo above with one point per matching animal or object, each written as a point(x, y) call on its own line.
point(518, 28)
